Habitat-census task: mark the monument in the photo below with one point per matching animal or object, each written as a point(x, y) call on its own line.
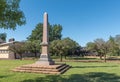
point(45, 64)
point(45, 57)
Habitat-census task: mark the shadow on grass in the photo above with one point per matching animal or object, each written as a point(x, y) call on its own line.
point(82, 58)
point(5, 76)
point(113, 58)
point(93, 66)
point(88, 77)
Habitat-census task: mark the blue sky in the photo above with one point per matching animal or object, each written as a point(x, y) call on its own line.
point(82, 20)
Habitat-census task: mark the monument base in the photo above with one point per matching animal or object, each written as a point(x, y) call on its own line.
point(45, 60)
point(37, 68)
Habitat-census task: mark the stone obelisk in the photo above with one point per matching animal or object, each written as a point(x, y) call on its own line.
point(45, 58)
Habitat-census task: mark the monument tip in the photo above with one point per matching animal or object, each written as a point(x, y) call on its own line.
point(45, 13)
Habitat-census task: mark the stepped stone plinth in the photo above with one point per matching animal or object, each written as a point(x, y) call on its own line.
point(37, 68)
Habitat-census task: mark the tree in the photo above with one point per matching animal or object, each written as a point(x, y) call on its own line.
point(17, 48)
point(54, 32)
point(36, 33)
point(3, 36)
point(101, 48)
point(70, 44)
point(113, 46)
point(110, 47)
point(61, 47)
point(91, 46)
point(117, 39)
point(10, 14)
point(33, 46)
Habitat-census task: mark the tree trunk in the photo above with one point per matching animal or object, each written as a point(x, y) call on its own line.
point(20, 56)
point(101, 56)
point(15, 55)
point(105, 57)
point(61, 58)
point(65, 56)
point(36, 54)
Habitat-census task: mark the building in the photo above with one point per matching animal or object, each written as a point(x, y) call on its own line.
point(4, 49)
point(5, 53)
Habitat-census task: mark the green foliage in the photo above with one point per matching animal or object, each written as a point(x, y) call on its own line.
point(34, 40)
point(54, 32)
point(117, 39)
point(33, 46)
point(10, 14)
point(90, 46)
point(61, 47)
point(110, 47)
point(36, 33)
point(17, 48)
point(3, 36)
point(99, 46)
point(113, 47)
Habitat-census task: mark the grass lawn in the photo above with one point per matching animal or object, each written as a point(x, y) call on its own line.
point(80, 72)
